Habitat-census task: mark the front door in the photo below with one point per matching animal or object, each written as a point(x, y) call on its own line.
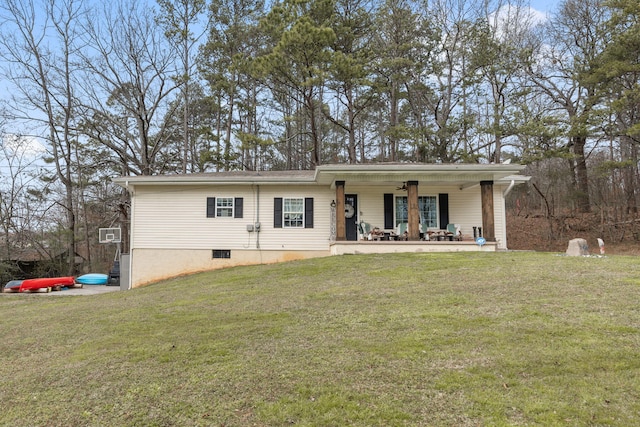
point(351, 216)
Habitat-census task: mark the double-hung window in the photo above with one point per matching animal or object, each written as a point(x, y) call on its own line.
point(224, 207)
point(293, 212)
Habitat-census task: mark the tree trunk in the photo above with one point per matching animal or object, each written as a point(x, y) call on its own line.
point(629, 151)
point(352, 126)
point(582, 182)
point(219, 133)
point(393, 122)
point(497, 128)
point(71, 233)
point(315, 137)
point(227, 138)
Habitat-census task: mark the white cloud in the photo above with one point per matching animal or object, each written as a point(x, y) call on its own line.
point(23, 145)
point(512, 19)
point(538, 17)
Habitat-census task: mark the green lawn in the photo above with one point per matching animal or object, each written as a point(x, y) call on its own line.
point(465, 339)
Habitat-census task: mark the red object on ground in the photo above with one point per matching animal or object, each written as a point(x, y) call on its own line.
point(45, 282)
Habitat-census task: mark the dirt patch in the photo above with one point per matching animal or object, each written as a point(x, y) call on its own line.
point(536, 232)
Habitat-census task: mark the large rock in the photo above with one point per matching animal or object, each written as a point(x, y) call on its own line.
point(577, 247)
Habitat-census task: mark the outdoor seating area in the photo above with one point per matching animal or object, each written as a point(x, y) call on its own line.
point(452, 233)
point(375, 233)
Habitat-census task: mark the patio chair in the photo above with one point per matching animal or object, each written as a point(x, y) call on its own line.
point(402, 231)
point(365, 230)
point(424, 232)
point(455, 230)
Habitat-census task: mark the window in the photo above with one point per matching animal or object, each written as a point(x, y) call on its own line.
point(426, 208)
point(402, 213)
point(293, 212)
point(428, 211)
point(224, 207)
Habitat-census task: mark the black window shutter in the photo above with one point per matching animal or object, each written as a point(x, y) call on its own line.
point(443, 201)
point(237, 207)
point(388, 212)
point(211, 207)
point(277, 212)
point(308, 212)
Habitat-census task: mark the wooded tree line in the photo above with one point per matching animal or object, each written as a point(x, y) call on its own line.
point(182, 86)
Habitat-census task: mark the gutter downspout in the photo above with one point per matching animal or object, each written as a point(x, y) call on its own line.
point(257, 215)
point(509, 188)
point(132, 209)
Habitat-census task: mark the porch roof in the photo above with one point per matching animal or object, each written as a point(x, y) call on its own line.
point(463, 175)
point(294, 177)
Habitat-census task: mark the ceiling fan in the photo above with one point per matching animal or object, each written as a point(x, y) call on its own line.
point(403, 188)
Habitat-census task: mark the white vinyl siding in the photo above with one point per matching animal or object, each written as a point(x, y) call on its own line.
point(172, 217)
point(500, 216)
point(465, 209)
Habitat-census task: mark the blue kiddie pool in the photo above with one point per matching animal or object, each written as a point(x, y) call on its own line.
point(92, 279)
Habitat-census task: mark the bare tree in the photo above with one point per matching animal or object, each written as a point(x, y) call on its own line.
point(501, 40)
point(574, 39)
point(128, 86)
point(44, 81)
point(16, 180)
point(449, 122)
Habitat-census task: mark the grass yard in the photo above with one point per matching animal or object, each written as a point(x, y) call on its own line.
point(465, 339)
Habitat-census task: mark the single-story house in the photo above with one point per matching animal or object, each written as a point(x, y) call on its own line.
point(182, 224)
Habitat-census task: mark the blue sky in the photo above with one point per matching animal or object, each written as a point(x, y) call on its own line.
point(544, 5)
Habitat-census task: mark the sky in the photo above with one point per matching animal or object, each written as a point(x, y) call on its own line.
point(31, 147)
point(546, 6)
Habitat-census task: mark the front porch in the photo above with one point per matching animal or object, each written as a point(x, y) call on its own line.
point(415, 200)
point(391, 246)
